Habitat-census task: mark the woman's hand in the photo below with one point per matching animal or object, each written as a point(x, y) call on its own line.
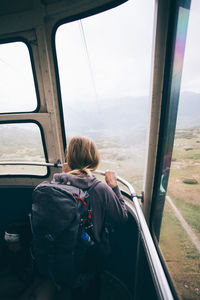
point(111, 178)
point(65, 168)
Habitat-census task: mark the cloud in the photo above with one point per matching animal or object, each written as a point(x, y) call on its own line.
point(117, 48)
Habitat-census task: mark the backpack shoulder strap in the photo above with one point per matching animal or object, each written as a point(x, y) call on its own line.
point(88, 199)
point(93, 186)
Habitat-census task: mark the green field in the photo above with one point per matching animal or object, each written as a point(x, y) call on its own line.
point(181, 256)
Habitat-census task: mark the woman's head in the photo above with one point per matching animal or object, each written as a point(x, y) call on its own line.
point(82, 155)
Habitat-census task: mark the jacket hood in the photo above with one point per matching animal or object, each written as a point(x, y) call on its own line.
point(80, 182)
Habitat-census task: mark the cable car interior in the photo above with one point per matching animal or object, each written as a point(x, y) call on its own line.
point(118, 72)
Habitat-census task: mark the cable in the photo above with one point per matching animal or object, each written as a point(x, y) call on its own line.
point(88, 58)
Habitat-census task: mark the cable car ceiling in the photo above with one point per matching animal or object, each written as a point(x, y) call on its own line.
point(13, 15)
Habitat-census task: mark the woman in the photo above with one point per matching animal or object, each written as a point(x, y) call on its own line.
point(55, 255)
point(105, 199)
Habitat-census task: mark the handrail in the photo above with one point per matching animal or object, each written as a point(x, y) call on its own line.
point(123, 181)
point(155, 265)
point(27, 163)
point(153, 258)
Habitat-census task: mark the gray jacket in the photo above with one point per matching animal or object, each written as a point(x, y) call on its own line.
point(104, 201)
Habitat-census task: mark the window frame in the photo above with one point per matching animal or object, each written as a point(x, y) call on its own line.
point(169, 108)
point(43, 144)
point(35, 83)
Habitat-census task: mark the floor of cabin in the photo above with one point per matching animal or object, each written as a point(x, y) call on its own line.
point(20, 281)
point(13, 288)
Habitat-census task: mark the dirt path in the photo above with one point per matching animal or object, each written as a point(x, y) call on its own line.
point(185, 225)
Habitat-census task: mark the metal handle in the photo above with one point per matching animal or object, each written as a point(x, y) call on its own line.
point(156, 268)
point(27, 163)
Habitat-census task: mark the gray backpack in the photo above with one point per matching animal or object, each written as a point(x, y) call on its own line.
point(63, 241)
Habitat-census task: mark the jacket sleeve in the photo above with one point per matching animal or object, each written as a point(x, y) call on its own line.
point(115, 205)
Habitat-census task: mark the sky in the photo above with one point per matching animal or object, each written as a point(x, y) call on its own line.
point(118, 52)
point(17, 89)
point(104, 56)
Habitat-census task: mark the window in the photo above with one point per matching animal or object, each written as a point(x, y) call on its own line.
point(17, 90)
point(21, 142)
point(104, 66)
point(180, 230)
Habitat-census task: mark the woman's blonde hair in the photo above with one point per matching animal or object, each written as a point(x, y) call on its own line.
point(82, 156)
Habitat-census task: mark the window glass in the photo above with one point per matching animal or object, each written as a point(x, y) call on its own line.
point(21, 142)
point(180, 230)
point(104, 66)
point(17, 90)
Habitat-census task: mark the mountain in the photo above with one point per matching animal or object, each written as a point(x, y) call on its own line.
point(125, 119)
point(189, 110)
point(17, 139)
point(108, 117)
point(128, 115)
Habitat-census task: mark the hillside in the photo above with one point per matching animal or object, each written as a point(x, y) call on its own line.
point(189, 110)
point(125, 119)
point(126, 116)
point(20, 141)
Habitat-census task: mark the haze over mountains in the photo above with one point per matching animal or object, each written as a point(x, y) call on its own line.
point(129, 114)
point(123, 120)
point(189, 110)
point(108, 117)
